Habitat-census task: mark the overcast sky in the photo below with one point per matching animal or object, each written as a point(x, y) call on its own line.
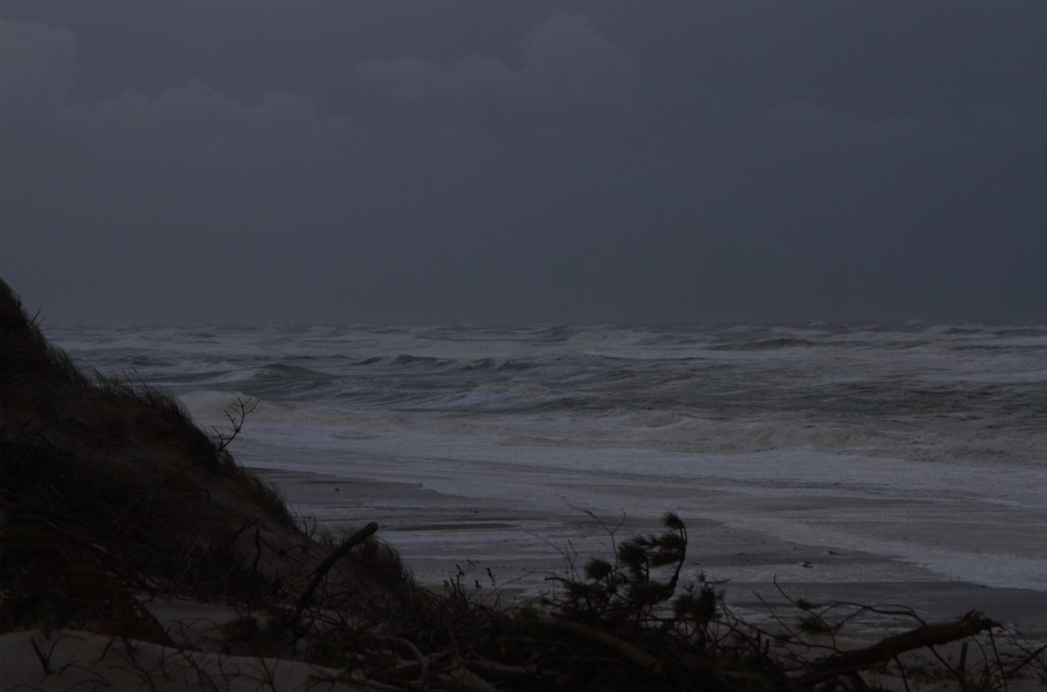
point(609, 161)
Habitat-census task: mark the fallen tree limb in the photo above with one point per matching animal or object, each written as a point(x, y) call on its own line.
point(506, 672)
point(324, 567)
point(847, 662)
point(640, 658)
point(464, 679)
point(418, 668)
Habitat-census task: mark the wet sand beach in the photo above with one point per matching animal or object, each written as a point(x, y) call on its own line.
point(518, 543)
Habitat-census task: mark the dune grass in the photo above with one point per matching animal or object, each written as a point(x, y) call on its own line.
point(109, 480)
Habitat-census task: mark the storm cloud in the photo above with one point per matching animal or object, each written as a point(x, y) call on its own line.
point(467, 162)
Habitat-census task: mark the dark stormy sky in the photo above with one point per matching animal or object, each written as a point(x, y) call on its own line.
point(608, 161)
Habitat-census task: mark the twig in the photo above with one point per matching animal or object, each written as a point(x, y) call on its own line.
point(1025, 661)
point(237, 421)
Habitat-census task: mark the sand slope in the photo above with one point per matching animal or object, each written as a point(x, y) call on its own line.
point(65, 659)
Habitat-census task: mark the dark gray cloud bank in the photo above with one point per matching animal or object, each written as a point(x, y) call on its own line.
point(606, 161)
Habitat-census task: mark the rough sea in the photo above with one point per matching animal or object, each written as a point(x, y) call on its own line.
point(923, 442)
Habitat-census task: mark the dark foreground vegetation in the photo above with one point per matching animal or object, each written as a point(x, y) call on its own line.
point(113, 501)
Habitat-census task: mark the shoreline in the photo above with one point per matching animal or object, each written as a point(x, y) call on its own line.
point(142, 554)
point(514, 550)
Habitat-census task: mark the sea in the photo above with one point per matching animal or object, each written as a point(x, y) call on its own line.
point(922, 442)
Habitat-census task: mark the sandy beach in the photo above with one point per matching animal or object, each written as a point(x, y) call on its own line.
point(510, 549)
point(517, 544)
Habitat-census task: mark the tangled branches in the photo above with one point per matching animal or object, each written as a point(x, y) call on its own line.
point(631, 623)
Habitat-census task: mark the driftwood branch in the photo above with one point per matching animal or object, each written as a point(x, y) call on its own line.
point(627, 650)
point(882, 652)
point(418, 668)
point(502, 671)
point(464, 679)
point(324, 567)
